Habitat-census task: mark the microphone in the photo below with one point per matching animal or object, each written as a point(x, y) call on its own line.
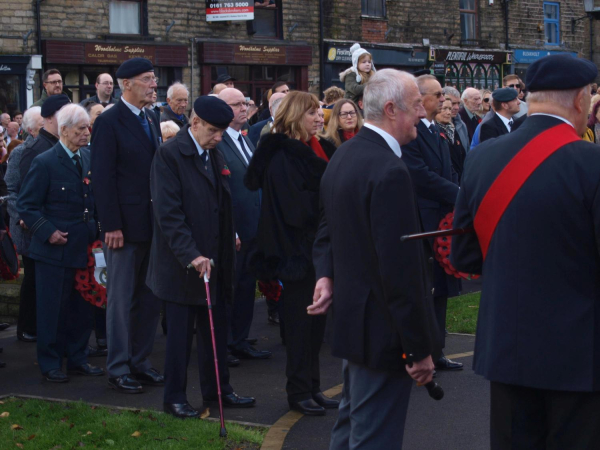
point(435, 390)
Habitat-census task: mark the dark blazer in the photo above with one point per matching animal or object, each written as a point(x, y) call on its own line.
point(254, 131)
point(168, 114)
point(540, 304)
point(381, 309)
point(470, 123)
point(246, 203)
point(492, 128)
point(518, 122)
point(121, 159)
point(94, 98)
point(193, 218)
point(44, 141)
point(54, 197)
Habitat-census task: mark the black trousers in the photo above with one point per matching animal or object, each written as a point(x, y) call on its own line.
point(27, 304)
point(242, 310)
point(539, 419)
point(440, 305)
point(303, 336)
point(180, 323)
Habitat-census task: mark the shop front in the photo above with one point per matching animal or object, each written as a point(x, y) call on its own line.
point(523, 57)
point(460, 68)
point(255, 66)
point(80, 63)
point(13, 82)
point(338, 59)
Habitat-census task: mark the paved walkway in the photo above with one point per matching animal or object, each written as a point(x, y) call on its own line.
point(459, 421)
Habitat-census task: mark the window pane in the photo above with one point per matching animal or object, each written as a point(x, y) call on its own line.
point(124, 17)
point(9, 93)
point(550, 11)
point(552, 33)
point(467, 4)
point(265, 22)
point(467, 26)
point(374, 8)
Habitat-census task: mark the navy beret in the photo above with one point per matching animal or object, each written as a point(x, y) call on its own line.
point(224, 77)
point(214, 111)
point(505, 94)
point(560, 72)
point(53, 104)
point(133, 67)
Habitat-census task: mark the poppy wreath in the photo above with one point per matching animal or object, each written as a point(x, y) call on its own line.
point(5, 272)
point(270, 289)
point(86, 283)
point(442, 246)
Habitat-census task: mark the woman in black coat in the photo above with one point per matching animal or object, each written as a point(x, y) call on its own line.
point(288, 166)
point(449, 134)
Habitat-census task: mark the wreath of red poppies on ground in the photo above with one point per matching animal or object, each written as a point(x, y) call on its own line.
point(270, 289)
point(86, 283)
point(442, 247)
point(5, 272)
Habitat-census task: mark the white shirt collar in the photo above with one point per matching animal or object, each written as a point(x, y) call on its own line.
point(234, 134)
point(427, 123)
point(505, 121)
point(70, 154)
point(389, 139)
point(200, 149)
point(552, 115)
point(133, 109)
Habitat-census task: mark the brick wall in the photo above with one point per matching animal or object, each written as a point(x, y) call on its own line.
point(374, 30)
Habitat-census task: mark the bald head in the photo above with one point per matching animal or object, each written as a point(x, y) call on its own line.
point(471, 98)
point(218, 88)
point(275, 101)
point(12, 129)
point(4, 120)
point(236, 100)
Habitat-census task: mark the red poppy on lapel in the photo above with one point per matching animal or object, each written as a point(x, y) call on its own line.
point(244, 132)
point(226, 171)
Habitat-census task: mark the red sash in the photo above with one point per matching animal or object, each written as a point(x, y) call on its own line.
point(513, 176)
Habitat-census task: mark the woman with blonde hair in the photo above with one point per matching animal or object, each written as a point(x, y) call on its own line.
point(168, 129)
point(287, 166)
point(486, 99)
point(344, 123)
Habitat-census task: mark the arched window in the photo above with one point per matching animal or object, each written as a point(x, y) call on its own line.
point(465, 77)
point(452, 75)
point(479, 76)
point(493, 78)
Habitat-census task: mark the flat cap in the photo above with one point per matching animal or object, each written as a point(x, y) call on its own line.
point(224, 77)
point(505, 94)
point(559, 72)
point(133, 67)
point(53, 104)
point(214, 111)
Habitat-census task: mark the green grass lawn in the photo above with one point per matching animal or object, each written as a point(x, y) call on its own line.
point(37, 424)
point(461, 315)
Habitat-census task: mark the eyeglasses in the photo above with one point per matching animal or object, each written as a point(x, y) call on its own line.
point(514, 86)
point(56, 82)
point(238, 104)
point(147, 80)
point(346, 114)
point(435, 94)
point(486, 100)
point(109, 83)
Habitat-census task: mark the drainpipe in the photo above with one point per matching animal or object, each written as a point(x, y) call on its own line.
point(591, 38)
point(39, 25)
point(192, 40)
point(321, 50)
point(506, 23)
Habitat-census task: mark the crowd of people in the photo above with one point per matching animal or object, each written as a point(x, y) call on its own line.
point(308, 198)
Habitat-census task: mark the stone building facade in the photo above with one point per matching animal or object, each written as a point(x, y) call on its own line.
point(303, 42)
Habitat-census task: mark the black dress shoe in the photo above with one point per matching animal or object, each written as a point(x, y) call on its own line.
point(232, 361)
point(232, 401)
point(308, 407)
point(4, 326)
point(447, 364)
point(150, 377)
point(94, 352)
point(325, 402)
point(26, 337)
point(251, 341)
point(101, 343)
point(251, 353)
point(273, 319)
point(88, 370)
point(181, 410)
point(126, 384)
point(56, 376)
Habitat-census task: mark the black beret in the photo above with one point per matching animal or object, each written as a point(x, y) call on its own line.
point(505, 94)
point(224, 77)
point(214, 111)
point(53, 104)
point(133, 67)
point(559, 72)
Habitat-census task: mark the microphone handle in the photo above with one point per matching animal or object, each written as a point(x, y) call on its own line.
point(435, 390)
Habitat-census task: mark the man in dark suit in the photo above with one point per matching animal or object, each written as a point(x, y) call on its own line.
point(538, 339)
point(471, 99)
point(378, 284)
point(104, 90)
point(505, 106)
point(436, 184)
point(237, 151)
point(177, 102)
point(124, 140)
point(194, 225)
point(57, 205)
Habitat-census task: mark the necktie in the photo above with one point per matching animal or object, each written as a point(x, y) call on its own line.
point(77, 160)
point(432, 129)
point(144, 122)
point(510, 124)
point(204, 157)
point(245, 150)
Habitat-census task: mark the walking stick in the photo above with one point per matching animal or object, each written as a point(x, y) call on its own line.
point(434, 234)
point(223, 432)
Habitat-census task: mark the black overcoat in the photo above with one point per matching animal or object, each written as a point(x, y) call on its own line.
point(192, 217)
point(492, 128)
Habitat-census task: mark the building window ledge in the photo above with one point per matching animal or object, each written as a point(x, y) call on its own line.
point(380, 19)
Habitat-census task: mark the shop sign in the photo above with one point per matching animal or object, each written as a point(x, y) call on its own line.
point(439, 68)
point(388, 57)
point(524, 56)
point(96, 53)
point(5, 68)
point(231, 10)
point(259, 54)
point(472, 56)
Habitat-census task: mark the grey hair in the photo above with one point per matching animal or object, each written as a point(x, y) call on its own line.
point(120, 83)
point(384, 86)
point(31, 116)
point(562, 98)
point(70, 115)
point(169, 125)
point(177, 85)
point(453, 92)
point(423, 79)
point(275, 106)
point(467, 93)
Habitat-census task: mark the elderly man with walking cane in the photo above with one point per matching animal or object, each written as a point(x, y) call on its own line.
point(193, 224)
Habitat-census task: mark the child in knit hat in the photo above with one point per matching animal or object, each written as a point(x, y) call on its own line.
point(357, 76)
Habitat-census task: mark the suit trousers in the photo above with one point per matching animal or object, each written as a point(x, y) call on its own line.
point(180, 323)
point(63, 316)
point(242, 310)
point(373, 408)
point(27, 304)
point(132, 310)
point(303, 338)
point(539, 419)
point(440, 305)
